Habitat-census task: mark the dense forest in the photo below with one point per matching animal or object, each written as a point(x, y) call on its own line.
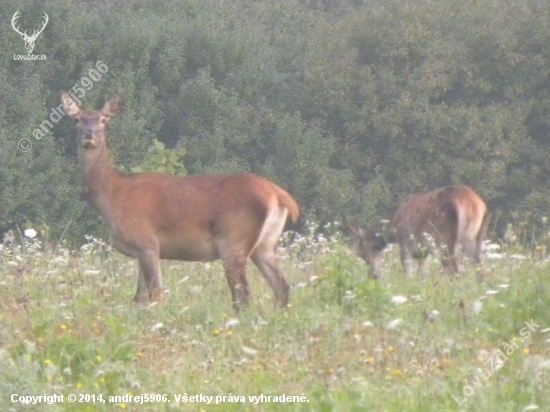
point(350, 105)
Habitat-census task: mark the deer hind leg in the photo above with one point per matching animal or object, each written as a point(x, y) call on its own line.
point(479, 242)
point(480, 237)
point(406, 260)
point(268, 264)
point(477, 255)
point(142, 294)
point(235, 273)
point(264, 253)
point(423, 266)
point(472, 249)
point(149, 281)
point(469, 246)
point(448, 258)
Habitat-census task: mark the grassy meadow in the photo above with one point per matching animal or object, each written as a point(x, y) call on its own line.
point(347, 343)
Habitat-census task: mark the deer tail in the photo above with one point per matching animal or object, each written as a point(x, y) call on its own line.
point(290, 204)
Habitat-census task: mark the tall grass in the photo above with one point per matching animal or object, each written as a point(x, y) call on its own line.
point(347, 343)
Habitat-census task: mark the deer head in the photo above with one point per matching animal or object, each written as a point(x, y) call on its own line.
point(91, 123)
point(29, 40)
point(371, 244)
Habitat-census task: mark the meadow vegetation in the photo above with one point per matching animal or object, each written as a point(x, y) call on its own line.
point(347, 343)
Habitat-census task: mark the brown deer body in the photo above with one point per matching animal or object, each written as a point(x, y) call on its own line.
point(452, 218)
point(201, 218)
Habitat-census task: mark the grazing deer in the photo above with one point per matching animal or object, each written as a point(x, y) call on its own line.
point(451, 217)
point(154, 216)
point(29, 40)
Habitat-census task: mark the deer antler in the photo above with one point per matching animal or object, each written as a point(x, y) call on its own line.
point(14, 20)
point(24, 34)
point(37, 32)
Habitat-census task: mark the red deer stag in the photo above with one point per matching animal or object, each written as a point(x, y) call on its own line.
point(154, 216)
point(451, 217)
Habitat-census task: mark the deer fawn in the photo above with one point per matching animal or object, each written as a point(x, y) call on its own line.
point(200, 218)
point(451, 217)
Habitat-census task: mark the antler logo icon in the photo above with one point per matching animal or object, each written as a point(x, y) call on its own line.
point(29, 40)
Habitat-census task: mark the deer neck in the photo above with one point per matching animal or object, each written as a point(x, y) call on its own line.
point(99, 177)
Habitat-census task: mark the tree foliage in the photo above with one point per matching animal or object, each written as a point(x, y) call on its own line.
point(350, 105)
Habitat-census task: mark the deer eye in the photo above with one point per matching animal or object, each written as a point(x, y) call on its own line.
point(103, 120)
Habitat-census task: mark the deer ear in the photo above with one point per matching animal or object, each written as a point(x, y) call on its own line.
point(69, 105)
point(112, 107)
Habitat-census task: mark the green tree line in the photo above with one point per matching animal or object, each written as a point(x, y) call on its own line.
point(350, 105)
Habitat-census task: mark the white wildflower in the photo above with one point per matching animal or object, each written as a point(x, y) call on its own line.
point(368, 324)
point(398, 300)
point(30, 233)
point(504, 286)
point(393, 324)
point(241, 361)
point(348, 295)
point(531, 407)
point(491, 292)
point(478, 306)
point(518, 257)
point(249, 351)
point(231, 322)
point(60, 261)
point(432, 315)
point(490, 246)
point(156, 327)
point(91, 272)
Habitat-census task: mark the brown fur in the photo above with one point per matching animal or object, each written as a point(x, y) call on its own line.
point(200, 218)
point(451, 217)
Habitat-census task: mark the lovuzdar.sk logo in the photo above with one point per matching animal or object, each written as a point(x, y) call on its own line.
point(29, 39)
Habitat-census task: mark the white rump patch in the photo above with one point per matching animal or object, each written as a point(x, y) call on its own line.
point(272, 228)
